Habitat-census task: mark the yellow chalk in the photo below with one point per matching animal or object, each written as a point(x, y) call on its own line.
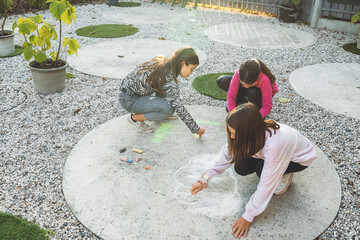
point(137, 150)
point(197, 135)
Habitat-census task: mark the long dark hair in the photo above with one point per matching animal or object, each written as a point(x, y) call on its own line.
point(250, 131)
point(249, 71)
point(161, 66)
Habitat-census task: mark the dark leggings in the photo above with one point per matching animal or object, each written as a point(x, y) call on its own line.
point(250, 165)
point(244, 95)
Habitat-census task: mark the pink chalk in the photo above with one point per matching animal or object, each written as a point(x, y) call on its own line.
point(138, 159)
point(123, 158)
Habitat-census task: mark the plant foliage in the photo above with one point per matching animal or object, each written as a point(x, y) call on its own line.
point(356, 17)
point(38, 34)
point(5, 7)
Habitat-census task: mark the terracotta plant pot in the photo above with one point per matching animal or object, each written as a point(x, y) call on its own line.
point(7, 45)
point(48, 80)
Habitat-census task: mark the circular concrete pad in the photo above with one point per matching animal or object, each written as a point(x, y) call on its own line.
point(259, 35)
point(333, 86)
point(146, 15)
point(116, 200)
point(119, 57)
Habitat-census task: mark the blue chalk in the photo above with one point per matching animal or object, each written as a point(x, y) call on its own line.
point(129, 160)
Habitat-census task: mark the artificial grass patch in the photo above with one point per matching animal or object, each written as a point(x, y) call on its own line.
point(107, 31)
point(18, 50)
point(352, 47)
point(128, 4)
point(12, 227)
point(206, 84)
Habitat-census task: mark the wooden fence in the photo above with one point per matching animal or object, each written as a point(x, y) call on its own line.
point(339, 11)
point(332, 9)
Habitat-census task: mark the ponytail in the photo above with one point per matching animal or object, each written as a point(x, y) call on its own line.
point(267, 72)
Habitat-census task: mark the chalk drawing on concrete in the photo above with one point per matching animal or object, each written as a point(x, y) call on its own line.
point(167, 129)
point(221, 199)
point(162, 132)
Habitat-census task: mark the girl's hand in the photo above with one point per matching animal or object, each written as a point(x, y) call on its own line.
point(196, 187)
point(201, 131)
point(240, 227)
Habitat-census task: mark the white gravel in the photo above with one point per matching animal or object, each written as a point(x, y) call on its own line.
point(38, 131)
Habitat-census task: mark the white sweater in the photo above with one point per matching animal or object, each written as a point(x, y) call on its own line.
point(279, 149)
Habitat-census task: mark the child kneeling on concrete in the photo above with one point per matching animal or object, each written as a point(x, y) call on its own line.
point(273, 151)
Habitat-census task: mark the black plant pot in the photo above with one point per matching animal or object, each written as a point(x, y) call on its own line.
point(288, 14)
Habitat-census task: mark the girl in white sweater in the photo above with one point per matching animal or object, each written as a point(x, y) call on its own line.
point(273, 151)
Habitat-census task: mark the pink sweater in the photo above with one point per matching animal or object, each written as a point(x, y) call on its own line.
point(267, 92)
point(279, 149)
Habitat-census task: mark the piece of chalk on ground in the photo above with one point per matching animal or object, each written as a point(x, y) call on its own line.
point(148, 167)
point(130, 160)
point(138, 159)
point(122, 150)
point(123, 158)
point(137, 150)
point(197, 135)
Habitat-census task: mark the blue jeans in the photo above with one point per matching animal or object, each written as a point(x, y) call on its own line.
point(153, 108)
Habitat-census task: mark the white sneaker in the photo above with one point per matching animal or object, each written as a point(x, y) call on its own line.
point(140, 126)
point(172, 117)
point(284, 183)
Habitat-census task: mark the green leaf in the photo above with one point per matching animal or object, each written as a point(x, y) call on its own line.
point(296, 2)
point(65, 17)
point(356, 17)
point(26, 26)
point(69, 75)
point(15, 25)
point(53, 56)
point(284, 100)
point(28, 52)
point(36, 19)
point(40, 56)
point(72, 44)
point(57, 9)
point(33, 39)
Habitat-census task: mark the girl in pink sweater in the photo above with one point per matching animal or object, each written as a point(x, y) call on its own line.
point(252, 82)
point(273, 151)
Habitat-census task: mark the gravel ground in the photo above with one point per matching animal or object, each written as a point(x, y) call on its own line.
point(38, 131)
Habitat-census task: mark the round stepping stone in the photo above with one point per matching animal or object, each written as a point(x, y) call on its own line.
point(116, 199)
point(10, 98)
point(146, 15)
point(119, 57)
point(259, 35)
point(333, 86)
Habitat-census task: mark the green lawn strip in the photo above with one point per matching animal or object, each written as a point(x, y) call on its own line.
point(107, 31)
point(128, 4)
point(206, 84)
point(12, 227)
point(351, 47)
point(18, 50)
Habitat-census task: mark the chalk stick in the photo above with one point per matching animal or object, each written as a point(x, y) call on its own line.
point(137, 150)
point(138, 159)
point(122, 150)
point(123, 158)
point(130, 160)
point(197, 135)
point(148, 167)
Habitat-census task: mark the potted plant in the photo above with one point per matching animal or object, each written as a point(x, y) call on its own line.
point(7, 46)
point(289, 11)
point(355, 19)
point(48, 71)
